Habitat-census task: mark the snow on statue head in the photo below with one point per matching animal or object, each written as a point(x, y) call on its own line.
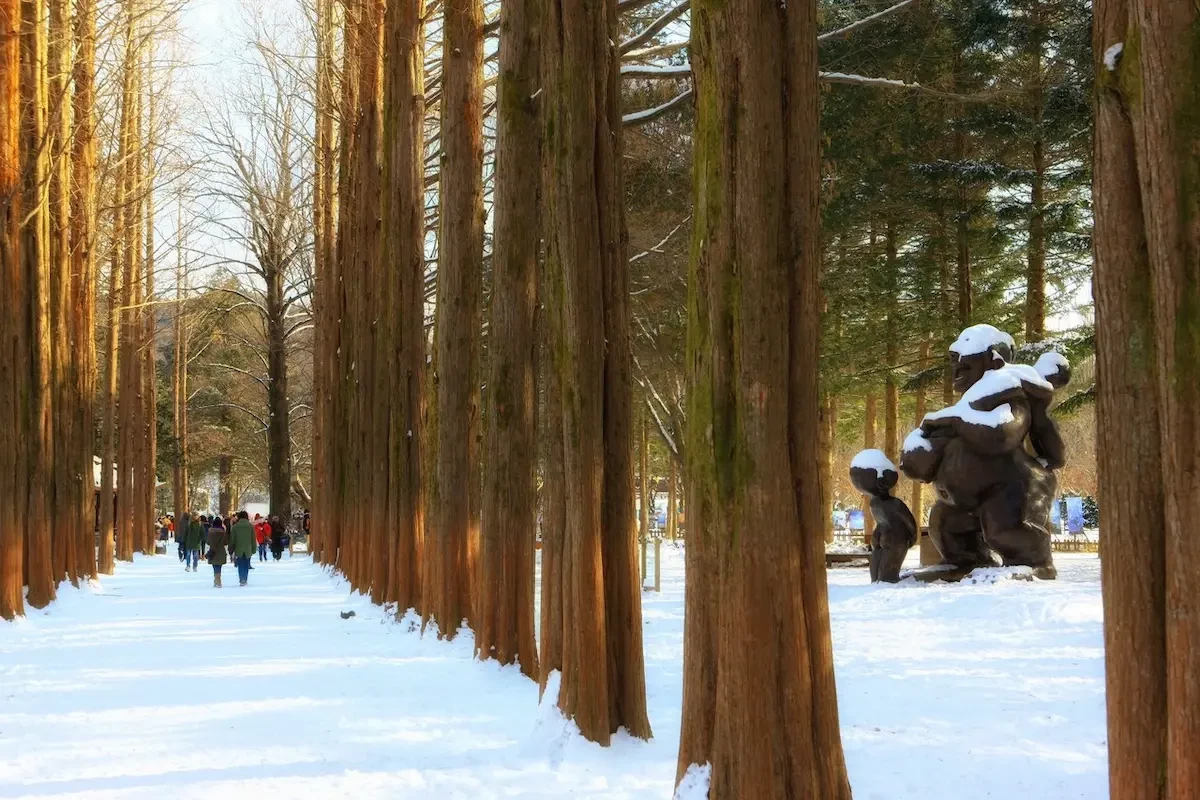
point(994, 495)
point(874, 474)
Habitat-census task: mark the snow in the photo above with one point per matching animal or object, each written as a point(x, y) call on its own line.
point(993, 382)
point(873, 459)
point(694, 785)
point(916, 441)
point(154, 684)
point(978, 338)
point(1113, 54)
point(1050, 363)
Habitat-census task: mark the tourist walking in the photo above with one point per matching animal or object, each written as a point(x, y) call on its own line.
point(243, 545)
point(262, 535)
point(276, 537)
point(181, 529)
point(218, 540)
point(193, 539)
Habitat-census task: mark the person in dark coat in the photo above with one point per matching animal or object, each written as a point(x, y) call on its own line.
point(181, 529)
point(241, 539)
point(276, 537)
point(218, 541)
point(192, 540)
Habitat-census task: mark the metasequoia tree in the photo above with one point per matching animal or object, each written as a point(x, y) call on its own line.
point(34, 388)
point(404, 251)
point(505, 613)
point(12, 355)
point(453, 548)
point(760, 704)
point(603, 679)
point(83, 280)
point(1147, 289)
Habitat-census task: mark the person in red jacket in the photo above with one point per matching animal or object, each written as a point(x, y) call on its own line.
point(262, 535)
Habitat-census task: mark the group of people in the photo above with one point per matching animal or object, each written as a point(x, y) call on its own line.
point(217, 540)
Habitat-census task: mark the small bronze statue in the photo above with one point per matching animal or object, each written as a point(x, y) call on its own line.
point(994, 494)
point(872, 473)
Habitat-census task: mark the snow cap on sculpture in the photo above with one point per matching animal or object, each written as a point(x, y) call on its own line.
point(980, 338)
point(872, 472)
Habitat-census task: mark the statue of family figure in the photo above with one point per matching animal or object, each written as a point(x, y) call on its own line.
point(991, 458)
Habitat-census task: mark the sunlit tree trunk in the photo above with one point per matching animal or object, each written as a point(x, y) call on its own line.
point(917, 502)
point(323, 217)
point(759, 705)
point(179, 484)
point(455, 545)
point(603, 683)
point(869, 418)
point(404, 255)
point(35, 258)
point(505, 613)
point(84, 275)
point(1147, 288)
point(149, 339)
point(12, 301)
point(63, 315)
point(128, 194)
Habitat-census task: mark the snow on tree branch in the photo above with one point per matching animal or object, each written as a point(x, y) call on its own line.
point(865, 22)
point(651, 71)
point(642, 117)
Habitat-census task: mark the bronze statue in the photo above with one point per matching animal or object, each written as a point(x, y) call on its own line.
point(872, 473)
point(994, 493)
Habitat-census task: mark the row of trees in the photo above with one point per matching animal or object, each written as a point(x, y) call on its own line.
point(66, 142)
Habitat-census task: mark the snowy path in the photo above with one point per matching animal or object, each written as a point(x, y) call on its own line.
point(158, 686)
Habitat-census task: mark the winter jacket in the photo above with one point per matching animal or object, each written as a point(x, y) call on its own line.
point(218, 540)
point(276, 534)
point(194, 536)
point(242, 540)
point(262, 531)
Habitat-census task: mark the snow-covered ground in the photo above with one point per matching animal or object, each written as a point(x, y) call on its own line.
point(155, 685)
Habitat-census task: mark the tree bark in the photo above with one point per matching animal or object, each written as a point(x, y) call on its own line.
point(917, 503)
point(1147, 288)
point(129, 198)
point(1035, 271)
point(12, 298)
point(459, 288)
point(179, 485)
point(83, 272)
point(603, 683)
point(35, 260)
point(672, 500)
point(869, 414)
point(149, 340)
point(63, 315)
point(404, 236)
point(505, 615)
point(760, 705)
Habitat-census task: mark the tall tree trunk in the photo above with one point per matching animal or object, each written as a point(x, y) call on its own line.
point(459, 286)
point(603, 684)
point(12, 300)
point(672, 501)
point(83, 273)
point(279, 438)
point(323, 220)
point(149, 347)
point(225, 492)
point(891, 391)
point(917, 502)
point(62, 313)
point(869, 415)
point(505, 615)
point(1035, 271)
point(1147, 289)
point(35, 259)
point(760, 705)
point(179, 499)
point(403, 247)
point(644, 486)
point(129, 195)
